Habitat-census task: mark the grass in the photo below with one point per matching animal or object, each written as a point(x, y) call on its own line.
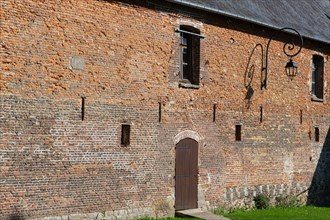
point(301, 213)
point(169, 218)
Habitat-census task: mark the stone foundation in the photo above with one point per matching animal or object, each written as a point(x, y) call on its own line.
point(243, 198)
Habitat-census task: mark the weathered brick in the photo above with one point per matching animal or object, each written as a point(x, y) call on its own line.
point(54, 165)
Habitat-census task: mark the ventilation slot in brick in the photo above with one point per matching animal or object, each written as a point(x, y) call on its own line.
point(159, 112)
point(214, 111)
point(125, 135)
point(238, 133)
point(317, 134)
point(83, 108)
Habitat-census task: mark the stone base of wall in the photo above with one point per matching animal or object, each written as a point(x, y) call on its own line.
point(108, 215)
point(242, 198)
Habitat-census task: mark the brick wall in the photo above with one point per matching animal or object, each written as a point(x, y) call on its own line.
point(123, 56)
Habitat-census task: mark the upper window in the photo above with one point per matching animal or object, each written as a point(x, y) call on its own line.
point(189, 55)
point(317, 77)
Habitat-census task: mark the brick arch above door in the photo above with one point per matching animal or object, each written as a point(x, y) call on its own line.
point(187, 134)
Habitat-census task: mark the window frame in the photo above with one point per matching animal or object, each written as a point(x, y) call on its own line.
point(189, 61)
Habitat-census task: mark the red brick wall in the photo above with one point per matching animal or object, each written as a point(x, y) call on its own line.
point(54, 164)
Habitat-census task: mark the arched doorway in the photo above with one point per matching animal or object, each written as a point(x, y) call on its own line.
point(186, 174)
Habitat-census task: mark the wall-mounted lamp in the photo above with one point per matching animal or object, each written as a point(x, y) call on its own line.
point(291, 67)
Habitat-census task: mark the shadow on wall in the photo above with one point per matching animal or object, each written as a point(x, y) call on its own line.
point(250, 72)
point(319, 191)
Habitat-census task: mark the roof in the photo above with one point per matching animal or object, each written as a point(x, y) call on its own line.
point(311, 18)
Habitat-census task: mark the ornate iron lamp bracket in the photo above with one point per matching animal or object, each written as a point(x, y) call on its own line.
point(288, 49)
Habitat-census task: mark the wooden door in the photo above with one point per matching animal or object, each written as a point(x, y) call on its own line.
point(186, 170)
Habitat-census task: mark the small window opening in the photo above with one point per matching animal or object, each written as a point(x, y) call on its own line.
point(238, 132)
point(261, 114)
point(301, 116)
point(125, 135)
point(317, 134)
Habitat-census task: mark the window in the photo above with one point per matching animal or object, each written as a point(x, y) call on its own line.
point(317, 77)
point(189, 55)
point(125, 135)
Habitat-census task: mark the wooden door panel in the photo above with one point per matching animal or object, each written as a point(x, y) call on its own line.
point(186, 169)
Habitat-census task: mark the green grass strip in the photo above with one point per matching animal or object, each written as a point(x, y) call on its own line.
point(301, 213)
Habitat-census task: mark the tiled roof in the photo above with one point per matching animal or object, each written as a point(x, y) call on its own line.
point(310, 17)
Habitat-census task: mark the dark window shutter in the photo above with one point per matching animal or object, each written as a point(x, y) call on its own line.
point(318, 76)
point(196, 60)
point(190, 58)
point(320, 82)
